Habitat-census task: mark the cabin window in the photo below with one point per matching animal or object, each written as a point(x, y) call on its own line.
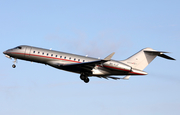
point(43, 53)
point(56, 55)
point(18, 47)
point(83, 60)
point(33, 51)
point(70, 58)
point(78, 59)
point(51, 54)
point(60, 56)
point(74, 59)
point(47, 54)
point(38, 52)
point(65, 57)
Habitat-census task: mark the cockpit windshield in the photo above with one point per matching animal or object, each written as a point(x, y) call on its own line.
point(18, 47)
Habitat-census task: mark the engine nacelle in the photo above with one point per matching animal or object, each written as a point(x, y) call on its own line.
point(117, 66)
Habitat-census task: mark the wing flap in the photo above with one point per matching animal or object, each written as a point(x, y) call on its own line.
point(106, 77)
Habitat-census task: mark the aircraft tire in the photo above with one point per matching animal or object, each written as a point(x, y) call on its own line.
point(82, 77)
point(14, 66)
point(86, 80)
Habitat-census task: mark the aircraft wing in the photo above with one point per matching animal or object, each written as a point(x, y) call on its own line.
point(86, 65)
point(106, 77)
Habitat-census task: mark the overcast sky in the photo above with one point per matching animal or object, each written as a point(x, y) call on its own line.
point(95, 28)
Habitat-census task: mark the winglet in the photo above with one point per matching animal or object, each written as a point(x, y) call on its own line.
point(109, 56)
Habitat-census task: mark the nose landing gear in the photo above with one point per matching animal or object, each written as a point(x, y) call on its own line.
point(14, 65)
point(84, 78)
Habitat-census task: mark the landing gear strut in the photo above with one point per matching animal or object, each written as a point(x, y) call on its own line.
point(84, 78)
point(14, 65)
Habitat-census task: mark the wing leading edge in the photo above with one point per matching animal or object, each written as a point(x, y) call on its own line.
point(89, 65)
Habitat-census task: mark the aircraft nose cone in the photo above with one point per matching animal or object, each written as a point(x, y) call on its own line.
point(4, 52)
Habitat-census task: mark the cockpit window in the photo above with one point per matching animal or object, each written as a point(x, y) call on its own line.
point(18, 47)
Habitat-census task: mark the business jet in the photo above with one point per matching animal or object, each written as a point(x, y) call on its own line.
point(87, 66)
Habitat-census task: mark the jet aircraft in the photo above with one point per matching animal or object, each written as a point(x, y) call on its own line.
point(87, 66)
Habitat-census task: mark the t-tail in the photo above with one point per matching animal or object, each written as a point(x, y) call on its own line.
point(143, 58)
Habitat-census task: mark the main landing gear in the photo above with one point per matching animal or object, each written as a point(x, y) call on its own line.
point(84, 78)
point(14, 65)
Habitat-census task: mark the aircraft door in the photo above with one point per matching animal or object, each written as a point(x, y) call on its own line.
point(27, 52)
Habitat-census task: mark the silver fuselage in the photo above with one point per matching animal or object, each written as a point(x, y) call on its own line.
point(57, 59)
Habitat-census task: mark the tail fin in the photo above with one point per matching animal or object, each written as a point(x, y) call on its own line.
point(144, 57)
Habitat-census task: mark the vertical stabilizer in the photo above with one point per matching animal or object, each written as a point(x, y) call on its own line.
point(144, 57)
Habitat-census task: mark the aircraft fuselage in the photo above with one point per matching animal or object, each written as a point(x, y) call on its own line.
point(50, 57)
point(86, 66)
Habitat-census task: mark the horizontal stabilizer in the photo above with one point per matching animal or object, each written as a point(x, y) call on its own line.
point(165, 56)
point(160, 54)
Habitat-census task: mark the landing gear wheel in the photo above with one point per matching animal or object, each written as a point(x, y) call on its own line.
point(86, 80)
point(13, 65)
point(82, 77)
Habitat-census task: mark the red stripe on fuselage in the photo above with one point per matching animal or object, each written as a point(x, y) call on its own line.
point(46, 57)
